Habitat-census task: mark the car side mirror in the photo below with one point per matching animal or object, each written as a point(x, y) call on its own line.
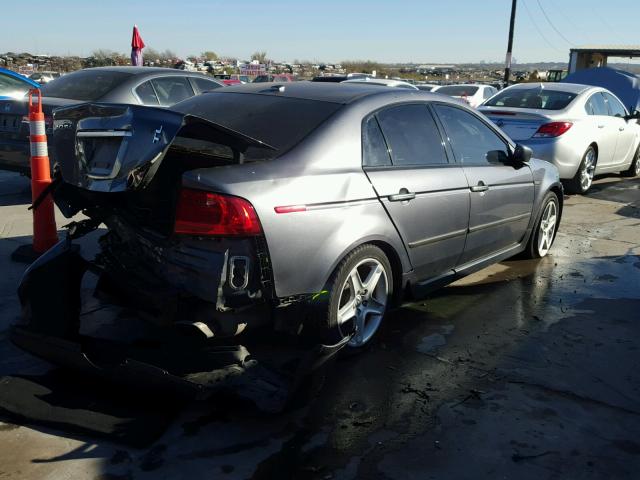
point(635, 115)
point(521, 154)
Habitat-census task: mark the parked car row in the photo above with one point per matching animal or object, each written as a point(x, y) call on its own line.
point(584, 131)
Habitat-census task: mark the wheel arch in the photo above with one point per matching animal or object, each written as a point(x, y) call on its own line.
point(399, 262)
point(559, 191)
point(594, 144)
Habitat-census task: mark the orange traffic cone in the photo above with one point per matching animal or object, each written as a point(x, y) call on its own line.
point(45, 234)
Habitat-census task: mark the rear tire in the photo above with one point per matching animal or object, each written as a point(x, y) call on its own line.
point(359, 293)
point(581, 182)
point(546, 227)
point(634, 168)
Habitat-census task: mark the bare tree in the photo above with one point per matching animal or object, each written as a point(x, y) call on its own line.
point(261, 57)
point(152, 55)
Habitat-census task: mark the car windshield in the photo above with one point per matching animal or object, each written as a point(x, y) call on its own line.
point(86, 85)
point(458, 90)
point(539, 98)
point(281, 122)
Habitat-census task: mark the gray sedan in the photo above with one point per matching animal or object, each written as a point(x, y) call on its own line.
point(308, 209)
point(136, 85)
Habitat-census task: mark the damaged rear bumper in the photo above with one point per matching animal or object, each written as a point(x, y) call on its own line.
point(50, 294)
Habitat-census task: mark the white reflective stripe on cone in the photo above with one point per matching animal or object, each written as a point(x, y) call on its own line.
point(39, 149)
point(37, 127)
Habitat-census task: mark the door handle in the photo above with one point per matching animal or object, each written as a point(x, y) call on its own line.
point(480, 187)
point(621, 129)
point(600, 126)
point(402, 196)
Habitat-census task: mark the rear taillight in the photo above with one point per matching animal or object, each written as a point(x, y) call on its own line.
point(553, 129)
point(205, 213)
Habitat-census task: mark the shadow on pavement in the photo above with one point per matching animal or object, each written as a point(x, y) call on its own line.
point(76, 404)
point(619, 189)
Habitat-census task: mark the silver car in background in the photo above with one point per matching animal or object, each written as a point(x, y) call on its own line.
point(383, 82)
point(471, 94)
point(308, 209)
point(583, 130)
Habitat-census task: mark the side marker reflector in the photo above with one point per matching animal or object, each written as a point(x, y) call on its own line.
point(291, 209)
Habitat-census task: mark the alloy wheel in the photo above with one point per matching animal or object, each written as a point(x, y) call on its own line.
point(547, 228)
point(363, 301)
point(588, 170)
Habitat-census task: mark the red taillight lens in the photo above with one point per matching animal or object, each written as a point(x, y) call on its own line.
point(553, 129)
point(205, 213)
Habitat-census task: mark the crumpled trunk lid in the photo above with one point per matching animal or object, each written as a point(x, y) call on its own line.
point(112, 148)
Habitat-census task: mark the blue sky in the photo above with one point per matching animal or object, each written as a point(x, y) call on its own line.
point(324, 30)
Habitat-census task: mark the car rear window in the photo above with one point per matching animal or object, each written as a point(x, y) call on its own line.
point(458, 90)
point(539, 98)
point(281, 122)
point(86, 85)
point(12, 85)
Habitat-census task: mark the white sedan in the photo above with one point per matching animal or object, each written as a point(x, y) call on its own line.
point(384, 82)
point(472, 95)
point(583, 130)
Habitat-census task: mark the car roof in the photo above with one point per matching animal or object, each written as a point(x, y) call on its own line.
point(342, 92)
point(142, 70)
point(465, 85)
point(557, 87)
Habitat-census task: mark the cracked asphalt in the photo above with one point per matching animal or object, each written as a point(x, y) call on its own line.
point(527, 370)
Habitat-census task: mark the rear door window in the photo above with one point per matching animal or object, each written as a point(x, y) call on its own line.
point(172, 89)
point(412, 135)
point(596, 105)
point(147, 94)
point(616, 109)
point(472, 141)
point(374, 148)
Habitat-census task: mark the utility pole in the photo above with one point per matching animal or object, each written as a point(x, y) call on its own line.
point(507, 69)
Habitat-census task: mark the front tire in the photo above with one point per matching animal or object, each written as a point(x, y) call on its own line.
point(359, 293)
point(634, 168)
point(545, 230)
point(581, 182)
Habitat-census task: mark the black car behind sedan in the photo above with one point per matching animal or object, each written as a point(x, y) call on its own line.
point(134, 85)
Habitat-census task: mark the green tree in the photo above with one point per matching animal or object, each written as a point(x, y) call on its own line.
point(209, 55)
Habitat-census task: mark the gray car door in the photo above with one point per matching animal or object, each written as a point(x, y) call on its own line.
point(425, 194)
point(501, 194)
